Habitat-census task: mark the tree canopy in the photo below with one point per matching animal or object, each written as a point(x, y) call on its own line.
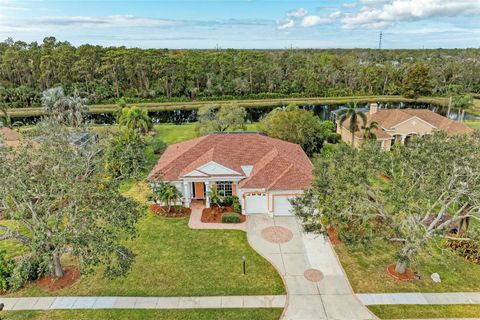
point(105, 74)
point(298, 126)
point(417, 81)
point(63, 202)
point(410, 195)
point(211, 119)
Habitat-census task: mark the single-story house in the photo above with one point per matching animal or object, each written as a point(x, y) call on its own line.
point(263, 172)
point(400, 125)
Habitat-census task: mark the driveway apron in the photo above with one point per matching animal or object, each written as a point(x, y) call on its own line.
point(317, 287)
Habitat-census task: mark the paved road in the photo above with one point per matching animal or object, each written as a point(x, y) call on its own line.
point(330, 298)
point(51, 303)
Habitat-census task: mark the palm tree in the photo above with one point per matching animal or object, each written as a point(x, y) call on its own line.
point(168, 193)
point(368, 133)
point(136, 119)
point(352, 114)
point(69, 110)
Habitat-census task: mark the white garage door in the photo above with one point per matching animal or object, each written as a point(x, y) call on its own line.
point(282, 205)
point(256, 202)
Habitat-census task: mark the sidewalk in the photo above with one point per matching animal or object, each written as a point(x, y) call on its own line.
point(419, 298)
point(316, 284)
point(51, 303)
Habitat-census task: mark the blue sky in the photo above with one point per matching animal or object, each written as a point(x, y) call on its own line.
point(246, 23)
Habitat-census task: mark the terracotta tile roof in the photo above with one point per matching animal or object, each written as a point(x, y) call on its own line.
point(389, 118)
point(277, 165)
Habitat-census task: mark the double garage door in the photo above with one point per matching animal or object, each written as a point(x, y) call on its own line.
point(257, 202)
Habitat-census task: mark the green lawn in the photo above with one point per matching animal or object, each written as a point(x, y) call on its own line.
point(173, 260)
point(118, 314)
point(426, 311)
point(475, 124)
point(366, 270)
point(174, 133)
point(12, 247)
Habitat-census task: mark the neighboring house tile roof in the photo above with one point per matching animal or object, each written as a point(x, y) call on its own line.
point(389, 118)
point(277, 165)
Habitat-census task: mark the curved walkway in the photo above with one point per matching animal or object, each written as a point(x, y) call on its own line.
point(327, 295)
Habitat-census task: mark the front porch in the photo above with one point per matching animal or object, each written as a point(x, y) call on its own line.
point(198, 191)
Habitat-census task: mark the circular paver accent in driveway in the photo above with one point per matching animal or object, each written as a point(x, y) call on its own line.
point(277, 234)
point(313, 275)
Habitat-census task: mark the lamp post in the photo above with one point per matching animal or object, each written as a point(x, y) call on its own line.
point(244, 264)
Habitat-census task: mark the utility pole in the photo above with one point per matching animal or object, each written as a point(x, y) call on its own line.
point(380, 41)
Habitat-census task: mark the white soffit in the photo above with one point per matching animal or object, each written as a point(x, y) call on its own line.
point(196, 173)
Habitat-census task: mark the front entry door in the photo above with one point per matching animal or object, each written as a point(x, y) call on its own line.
point(199, 190)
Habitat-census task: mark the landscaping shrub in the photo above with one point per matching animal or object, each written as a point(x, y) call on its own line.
point(232, 201)
point(27, 269)
point(6, 269)
point(125, 156)
point(227, 201)
point(158, 146)
point(469, 250)
point(231, 217)
point(236, 205)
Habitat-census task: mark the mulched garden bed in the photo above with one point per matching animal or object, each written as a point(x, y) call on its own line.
point(50, 283)
point(175, 211)
point(407, 276)
point(332, 234)
point(214, 215)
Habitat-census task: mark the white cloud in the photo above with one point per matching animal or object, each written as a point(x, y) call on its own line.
point(409, 10)
point(78, 22)
point(310, 21)
point(8, 5)
point(349, 5)
point(299, 13)
point(374, 2)
point(104, 22)
point(335, 15)
point(285, 24)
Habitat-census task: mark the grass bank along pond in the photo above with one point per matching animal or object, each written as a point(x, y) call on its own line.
point(187, 112)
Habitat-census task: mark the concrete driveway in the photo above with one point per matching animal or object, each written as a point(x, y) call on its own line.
point(327, 295)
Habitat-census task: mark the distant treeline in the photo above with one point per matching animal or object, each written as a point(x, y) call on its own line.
point(106, 74)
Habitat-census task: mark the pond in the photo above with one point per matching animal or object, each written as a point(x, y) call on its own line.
point(254, 114)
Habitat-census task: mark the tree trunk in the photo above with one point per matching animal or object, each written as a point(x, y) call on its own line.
point(57, 266)
point(353, 138)
point(401, 266)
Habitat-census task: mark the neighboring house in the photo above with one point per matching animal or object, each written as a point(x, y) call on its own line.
point(263, 172)
point(10, 137)
point(398, 126)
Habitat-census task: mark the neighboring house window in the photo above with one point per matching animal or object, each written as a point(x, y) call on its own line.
point(224, 188)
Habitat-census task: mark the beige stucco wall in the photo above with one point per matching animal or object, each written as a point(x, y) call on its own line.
point(413, 125)
point(347, 137)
